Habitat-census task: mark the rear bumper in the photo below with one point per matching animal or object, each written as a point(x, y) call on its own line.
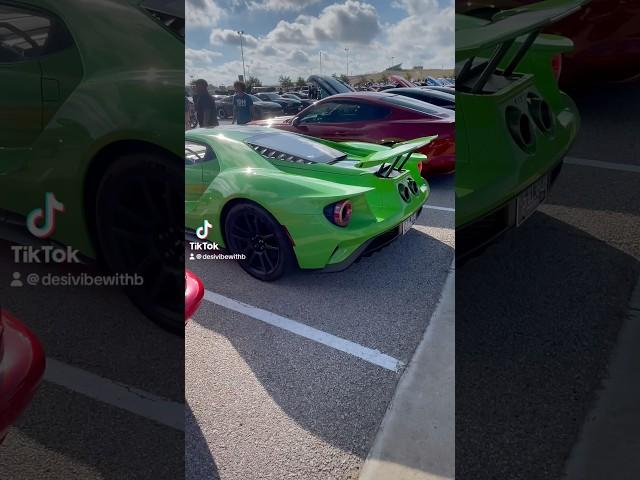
point(21, 369)
point(476, 235)
point(369, 247)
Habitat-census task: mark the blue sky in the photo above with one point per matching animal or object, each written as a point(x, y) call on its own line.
point(285, 37)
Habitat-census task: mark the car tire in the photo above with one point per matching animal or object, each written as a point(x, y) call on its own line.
point(252, 231)
point(221, 113)
point(139, 230)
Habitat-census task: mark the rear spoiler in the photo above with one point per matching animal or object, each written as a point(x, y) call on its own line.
point(398, 156)
point(502, 32)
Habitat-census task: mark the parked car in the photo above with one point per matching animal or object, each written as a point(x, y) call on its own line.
point(517, 124)
point(441, 99)
point(284, 200)
point(401, 82)
point(193, 294)
point(449, 90)
point(22, 364)
point(323, 86)
point(263, 109)
point(296, 95)
point(605, 34)
point(289, 105)
point(305, 101)
point(87, 119)
point(378, 117)
point(432, 82)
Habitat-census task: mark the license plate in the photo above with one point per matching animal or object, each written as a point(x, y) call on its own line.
point(408, 223)
point(529, 200)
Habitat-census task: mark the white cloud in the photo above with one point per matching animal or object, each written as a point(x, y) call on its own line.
point(425, 36)
point(231, 37)
point(350, 22)
point(202, 13)
point(199, 56)
point(278, 5)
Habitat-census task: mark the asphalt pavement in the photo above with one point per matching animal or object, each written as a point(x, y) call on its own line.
point(292, 379)
point(539, 312)
point(111, 403)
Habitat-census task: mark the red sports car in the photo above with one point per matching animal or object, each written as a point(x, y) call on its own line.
point(606, 35)
point(22, 365)
point(193, 293)
point(378, 117)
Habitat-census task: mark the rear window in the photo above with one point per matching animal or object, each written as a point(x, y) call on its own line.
point(195, 153)
point(27, 34)
point(418, 106)
point(293, 148)
point(170, 13)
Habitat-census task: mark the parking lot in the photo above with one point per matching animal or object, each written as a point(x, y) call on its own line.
point(111, 403)
point(291, 379)
point(531, 363)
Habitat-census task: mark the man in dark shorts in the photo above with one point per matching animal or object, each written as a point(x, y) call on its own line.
point(205, 105)
point(243, 109)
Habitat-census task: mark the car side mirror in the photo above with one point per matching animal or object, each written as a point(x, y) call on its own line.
point(193, 293)
point(296, 121)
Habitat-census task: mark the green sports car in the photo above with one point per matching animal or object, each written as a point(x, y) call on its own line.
point(514, 124)
point(91, 114)
point(276, 200)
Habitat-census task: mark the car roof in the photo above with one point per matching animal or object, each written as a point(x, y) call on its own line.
point(424, 91)
point(382, 96)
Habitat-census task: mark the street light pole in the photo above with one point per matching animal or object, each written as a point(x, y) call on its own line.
point(244, 73)
point(320, 62)
point(347, 50)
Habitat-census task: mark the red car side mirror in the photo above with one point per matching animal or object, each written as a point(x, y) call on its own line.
point(193, 293)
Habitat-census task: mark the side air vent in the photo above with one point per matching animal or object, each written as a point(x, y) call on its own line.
point(272, 154)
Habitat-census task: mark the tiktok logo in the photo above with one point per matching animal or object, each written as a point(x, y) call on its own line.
point(42, 222)
point(203, 232)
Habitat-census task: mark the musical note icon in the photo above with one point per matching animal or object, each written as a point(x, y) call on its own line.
point(42, 222)
point(203, 231)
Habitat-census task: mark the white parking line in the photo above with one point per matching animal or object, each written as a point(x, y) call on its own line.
point(367, 354)
point(623, 167)
point(127, 398)
point(435, 207)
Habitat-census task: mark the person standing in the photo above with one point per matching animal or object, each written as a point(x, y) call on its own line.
point(243, 109)
point(205, 105)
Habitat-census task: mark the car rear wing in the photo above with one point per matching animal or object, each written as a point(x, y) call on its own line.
point(396, 157)
point(500, 35)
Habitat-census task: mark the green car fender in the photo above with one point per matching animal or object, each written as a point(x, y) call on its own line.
point(99, 102)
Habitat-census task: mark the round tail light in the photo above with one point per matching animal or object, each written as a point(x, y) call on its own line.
point(339, 213)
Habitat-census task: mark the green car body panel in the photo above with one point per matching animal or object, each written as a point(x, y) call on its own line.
point(65, 115)
point(296, 194)
point(494, 165)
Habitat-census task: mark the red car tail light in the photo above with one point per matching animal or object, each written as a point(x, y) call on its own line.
point(339, 213)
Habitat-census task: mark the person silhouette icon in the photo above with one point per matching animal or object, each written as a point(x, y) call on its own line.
point(192, 257)
point(16, 282)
